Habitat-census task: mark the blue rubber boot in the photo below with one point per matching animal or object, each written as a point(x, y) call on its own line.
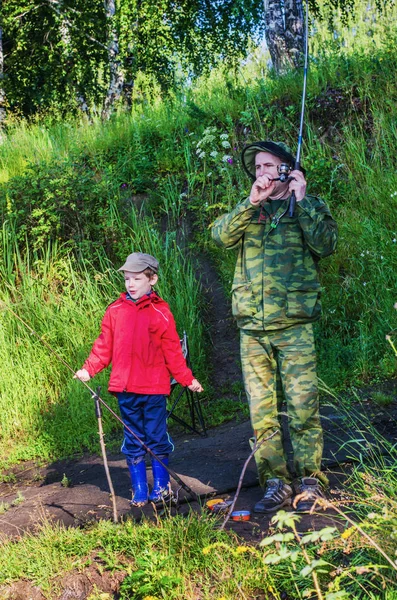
point(161, 480)
point(139, 482)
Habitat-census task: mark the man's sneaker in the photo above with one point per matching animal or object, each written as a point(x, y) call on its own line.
point(308, 493)
point(277, 494)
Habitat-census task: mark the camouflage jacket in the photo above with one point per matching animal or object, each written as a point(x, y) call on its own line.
point(276, 281)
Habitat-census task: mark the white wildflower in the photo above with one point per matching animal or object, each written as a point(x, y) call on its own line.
point(214, 154)
point(225, 144)
point(226, 157)
point(201, 154)
point(209, 174)
point(224, 136)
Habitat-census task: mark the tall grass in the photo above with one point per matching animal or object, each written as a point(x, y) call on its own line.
point(44, 411)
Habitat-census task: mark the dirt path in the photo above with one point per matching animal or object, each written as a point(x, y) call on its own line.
point(222, 330)
point(76, 491)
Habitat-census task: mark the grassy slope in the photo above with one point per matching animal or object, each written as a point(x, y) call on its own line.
point(350, 160)
point(78, 183)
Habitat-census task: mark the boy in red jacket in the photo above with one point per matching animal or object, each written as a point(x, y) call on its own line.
point(139, 337)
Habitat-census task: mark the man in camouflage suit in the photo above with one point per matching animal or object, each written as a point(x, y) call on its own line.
point(276, 298)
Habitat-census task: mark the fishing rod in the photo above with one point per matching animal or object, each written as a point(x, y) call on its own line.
point(292, 202)
point(96, 396)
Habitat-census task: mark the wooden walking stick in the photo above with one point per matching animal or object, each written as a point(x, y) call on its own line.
point(98, 413)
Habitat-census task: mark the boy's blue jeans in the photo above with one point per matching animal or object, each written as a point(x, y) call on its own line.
point(146, 416)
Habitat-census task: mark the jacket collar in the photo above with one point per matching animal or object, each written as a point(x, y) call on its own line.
point(152, 297)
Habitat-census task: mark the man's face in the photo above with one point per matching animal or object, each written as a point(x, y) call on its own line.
point(138, 284)
point(267, 164)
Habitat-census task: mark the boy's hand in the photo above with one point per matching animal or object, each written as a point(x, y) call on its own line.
point(83, 375)
point(195, 386)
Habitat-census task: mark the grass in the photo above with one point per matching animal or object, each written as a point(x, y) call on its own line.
point(44, 411)
point(182, 157)
point(189, 556)
point(163, 559)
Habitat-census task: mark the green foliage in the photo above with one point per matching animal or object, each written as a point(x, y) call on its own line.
point(150, 578)
point(54, 52)
point(59, 55)
point(224, 409)
point(44, 412)
point(165, 559)
point(75, 195)
point(59, 201)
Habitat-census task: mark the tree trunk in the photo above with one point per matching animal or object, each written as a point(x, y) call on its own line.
point(116, 82)
point(3, 112)
point(69, 58)
point(294, 30)
point(284, 32)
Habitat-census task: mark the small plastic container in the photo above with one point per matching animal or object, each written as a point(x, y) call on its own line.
point(240, 515)
point(218, 505)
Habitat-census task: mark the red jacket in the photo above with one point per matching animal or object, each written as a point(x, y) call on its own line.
point(141, 341)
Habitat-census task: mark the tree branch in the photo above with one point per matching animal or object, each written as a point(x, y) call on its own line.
point(256, 447)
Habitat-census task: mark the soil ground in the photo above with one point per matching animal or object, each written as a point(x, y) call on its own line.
point(76, 491)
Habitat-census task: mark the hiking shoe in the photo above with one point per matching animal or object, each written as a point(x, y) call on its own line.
point(308, 493)
point(277, 494)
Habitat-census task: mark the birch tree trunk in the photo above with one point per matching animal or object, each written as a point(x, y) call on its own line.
point(116, 82)
point(3, 112)
point(68, 55)
point(284, 32)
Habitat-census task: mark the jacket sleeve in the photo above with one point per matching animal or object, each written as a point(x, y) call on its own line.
point(228, 229)
point(101, 354)
point(319, 228)
point(172, 352)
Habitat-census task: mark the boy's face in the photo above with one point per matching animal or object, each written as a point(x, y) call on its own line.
point(138, 284)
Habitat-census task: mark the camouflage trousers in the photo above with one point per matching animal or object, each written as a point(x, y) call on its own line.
point(277, 365)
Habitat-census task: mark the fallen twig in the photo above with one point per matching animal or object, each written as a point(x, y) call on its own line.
point(256, 446)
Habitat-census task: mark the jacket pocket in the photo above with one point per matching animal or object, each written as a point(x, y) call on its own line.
point(303, 304)
point(243, 301)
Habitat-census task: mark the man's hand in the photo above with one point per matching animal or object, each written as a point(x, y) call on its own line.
point(195, 386)
point(82, 374)
point(261, 190)
point(297, 185)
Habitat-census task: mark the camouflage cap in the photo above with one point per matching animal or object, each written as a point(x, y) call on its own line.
point(138, 262)
point(277, 148)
